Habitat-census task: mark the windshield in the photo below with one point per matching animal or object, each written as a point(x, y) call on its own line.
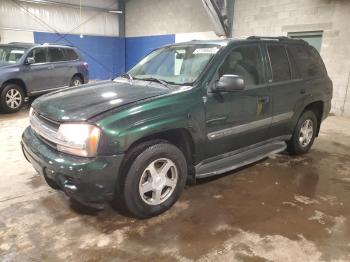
point(180, 64)
point(10, 54)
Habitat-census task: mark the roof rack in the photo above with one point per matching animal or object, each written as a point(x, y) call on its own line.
point(277, 38)
point(48, 44)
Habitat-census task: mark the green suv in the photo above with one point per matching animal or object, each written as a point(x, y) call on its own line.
point(184, 112)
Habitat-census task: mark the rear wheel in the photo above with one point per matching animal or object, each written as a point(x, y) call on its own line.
point(154, 180)
point(304, 134)
point(76, 81)
point(12, 98)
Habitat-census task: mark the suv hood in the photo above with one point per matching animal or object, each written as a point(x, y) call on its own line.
point(87, 101)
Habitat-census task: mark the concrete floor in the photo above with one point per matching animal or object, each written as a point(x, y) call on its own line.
point(281, 209)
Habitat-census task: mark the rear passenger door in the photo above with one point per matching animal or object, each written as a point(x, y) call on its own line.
point(59, 66)
point(287, 89)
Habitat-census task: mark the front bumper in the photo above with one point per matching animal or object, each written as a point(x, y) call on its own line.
point(90, 181)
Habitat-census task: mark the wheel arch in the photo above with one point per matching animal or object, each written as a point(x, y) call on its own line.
point(16, 81)
point(80, 75)
point(318, 108)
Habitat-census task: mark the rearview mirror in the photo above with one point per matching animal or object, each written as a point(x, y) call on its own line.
point(229, 83)
point(30, 60)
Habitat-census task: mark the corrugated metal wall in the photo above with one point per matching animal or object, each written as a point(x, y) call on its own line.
point(17, 15)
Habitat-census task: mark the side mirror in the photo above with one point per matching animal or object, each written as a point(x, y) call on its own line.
point(229, 83)
point(30, 60)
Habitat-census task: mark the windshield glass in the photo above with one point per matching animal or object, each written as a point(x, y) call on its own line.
point(10, 54)
point(180, 64)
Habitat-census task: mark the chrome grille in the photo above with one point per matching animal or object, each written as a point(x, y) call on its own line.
point(44, 129)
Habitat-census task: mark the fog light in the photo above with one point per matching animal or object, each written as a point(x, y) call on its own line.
point(49, 173)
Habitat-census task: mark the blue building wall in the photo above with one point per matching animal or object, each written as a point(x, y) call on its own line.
point(108, 56)
point(104, 54)
point(138, 47)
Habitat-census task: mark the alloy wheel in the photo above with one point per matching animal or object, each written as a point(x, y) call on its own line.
point(306, 133)
point(158, 181)
point(76, 82)
point(13, 98)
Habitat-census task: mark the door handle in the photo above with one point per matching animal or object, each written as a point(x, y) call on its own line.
point(302, 91)
point(264, 99)
point(51, 67)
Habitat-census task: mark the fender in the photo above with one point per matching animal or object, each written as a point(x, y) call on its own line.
point(177, 111)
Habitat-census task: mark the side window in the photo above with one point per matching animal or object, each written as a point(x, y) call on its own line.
point(308, 61)
point(295, 70)
point(56, 54)
point(244, 61)
point(71, 54)
point(39, 54)
point(279, 63)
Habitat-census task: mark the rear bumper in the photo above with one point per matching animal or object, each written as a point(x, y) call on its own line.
point(90, 181)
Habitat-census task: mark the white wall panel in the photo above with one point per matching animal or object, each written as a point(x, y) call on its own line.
point(46, 18)
point(184, 37)
point(7, 36)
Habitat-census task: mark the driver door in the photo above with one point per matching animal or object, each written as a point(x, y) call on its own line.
point(241, 118)
point(38, 75)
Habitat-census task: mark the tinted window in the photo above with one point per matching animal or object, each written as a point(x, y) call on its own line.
point(244, 61)
point(71, 54)
point(308, 61)
point(56, 54)
point(294, 67)
point(279, 63)
point(39, 55)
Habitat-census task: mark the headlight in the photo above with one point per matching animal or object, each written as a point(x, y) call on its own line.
point(31, 111)
point(78, 139)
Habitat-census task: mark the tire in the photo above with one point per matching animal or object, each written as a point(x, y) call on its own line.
point(11, 98)
point(145, 192)
point(76, 81)
point(302, 141)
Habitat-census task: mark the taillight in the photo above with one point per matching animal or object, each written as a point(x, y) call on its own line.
point(86, 65)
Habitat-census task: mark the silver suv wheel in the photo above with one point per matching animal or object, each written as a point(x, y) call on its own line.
point(158, 181)
point(76, 82)
point(306, 133)
point(13, 98)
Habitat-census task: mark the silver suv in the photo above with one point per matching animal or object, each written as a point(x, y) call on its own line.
point(30, 70)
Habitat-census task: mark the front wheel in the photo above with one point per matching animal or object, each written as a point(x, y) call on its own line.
point(154, 180)
point(304, 134)
point(12, 98)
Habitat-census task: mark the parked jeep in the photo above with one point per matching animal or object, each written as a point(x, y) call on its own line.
point(184, 112)
point(30, 70)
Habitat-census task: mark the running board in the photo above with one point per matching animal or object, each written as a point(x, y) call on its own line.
point(234, 161)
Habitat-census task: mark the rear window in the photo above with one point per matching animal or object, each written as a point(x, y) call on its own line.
point(279, 63)
point(71, 54)
point(56, 54)
point(308, 61)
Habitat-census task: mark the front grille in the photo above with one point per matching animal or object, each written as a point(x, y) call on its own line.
point(45, 129)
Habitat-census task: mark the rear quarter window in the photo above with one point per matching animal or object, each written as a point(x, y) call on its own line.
point(308, 61)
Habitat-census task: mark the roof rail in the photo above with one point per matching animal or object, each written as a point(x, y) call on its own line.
point(48, 44)
point(277, 38)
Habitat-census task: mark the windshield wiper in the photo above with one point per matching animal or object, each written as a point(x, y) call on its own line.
point(153, 79)
point(128, 76)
